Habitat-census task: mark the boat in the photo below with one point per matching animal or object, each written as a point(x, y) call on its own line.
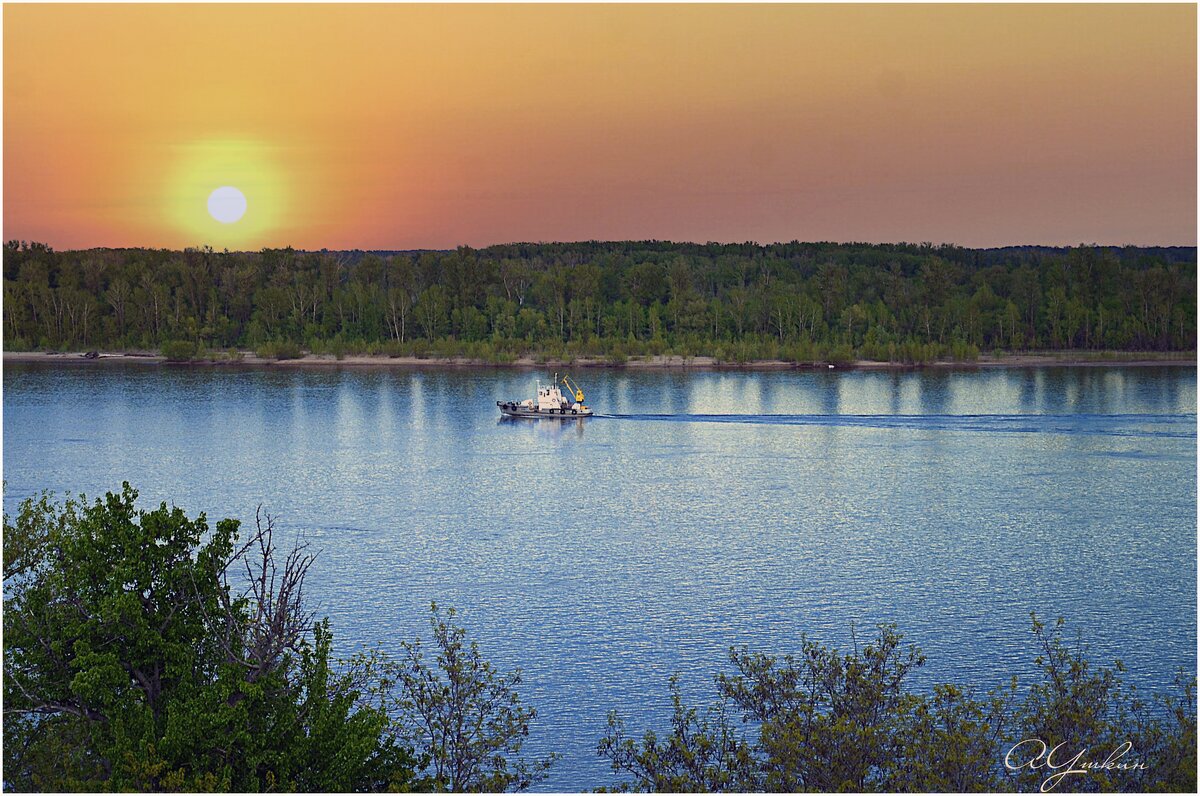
point(550, 402)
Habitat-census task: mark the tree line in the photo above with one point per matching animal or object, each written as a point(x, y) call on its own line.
point(146, 651)
point(797, 301)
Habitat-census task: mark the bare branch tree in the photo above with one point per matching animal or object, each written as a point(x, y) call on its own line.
point(266, 617)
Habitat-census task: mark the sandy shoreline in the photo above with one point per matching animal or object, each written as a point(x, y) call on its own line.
point(249, 359)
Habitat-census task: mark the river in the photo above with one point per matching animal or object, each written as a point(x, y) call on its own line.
point(698, 510)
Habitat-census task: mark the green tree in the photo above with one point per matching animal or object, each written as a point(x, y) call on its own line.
point(825, 721)
point(132, 663)
point(463, 715)
point(1080, 706)
point(430, 311)
point(703, 752)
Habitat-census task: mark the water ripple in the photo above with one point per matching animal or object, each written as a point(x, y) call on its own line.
point(1123, 425)
point(707, 510)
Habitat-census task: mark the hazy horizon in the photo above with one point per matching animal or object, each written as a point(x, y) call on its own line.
point(933, 244)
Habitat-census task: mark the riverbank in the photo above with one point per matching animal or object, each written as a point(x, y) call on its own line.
point(250, 359)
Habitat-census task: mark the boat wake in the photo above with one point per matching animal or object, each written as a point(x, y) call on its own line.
point(1180, 426)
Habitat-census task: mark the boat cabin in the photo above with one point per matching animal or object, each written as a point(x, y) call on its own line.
point(550, 397)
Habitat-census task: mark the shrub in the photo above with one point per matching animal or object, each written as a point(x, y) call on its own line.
point(392, 348)
point(181, 683)
point(840, 354)
point(825, 720)
point(179, 350)
point(435, 693)
point(280, 349)
point(961, 351)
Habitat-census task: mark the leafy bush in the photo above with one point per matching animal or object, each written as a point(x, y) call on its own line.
point(841, 354)
point(131, 663)
point(179, 350)
point(963, 352)
point(825, 721)
point(393, 348)
point(279, 349)
point(462, 716)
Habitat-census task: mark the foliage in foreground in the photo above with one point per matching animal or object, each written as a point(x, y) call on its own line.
point(144, 651)
point(825, 721)
point(464, 715)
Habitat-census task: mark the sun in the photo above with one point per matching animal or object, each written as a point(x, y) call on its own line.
point(227, 204)
point(226, 193)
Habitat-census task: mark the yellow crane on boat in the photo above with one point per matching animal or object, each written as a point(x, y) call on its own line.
point(573, 387)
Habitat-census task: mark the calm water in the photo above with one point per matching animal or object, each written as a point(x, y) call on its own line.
point(705, 510)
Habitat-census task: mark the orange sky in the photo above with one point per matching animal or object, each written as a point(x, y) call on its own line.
point(432, 126)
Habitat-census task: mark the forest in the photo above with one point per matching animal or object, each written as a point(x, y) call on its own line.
point(800, 302)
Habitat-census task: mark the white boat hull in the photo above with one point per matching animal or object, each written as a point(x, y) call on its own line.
point(513, 409)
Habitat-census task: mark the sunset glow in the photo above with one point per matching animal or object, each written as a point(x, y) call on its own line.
point(432, 126)
point(200, 168)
